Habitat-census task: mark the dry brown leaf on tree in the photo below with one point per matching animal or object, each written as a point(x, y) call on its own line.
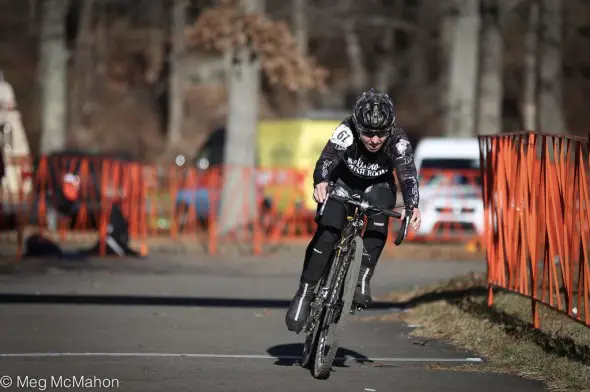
point(224, 27)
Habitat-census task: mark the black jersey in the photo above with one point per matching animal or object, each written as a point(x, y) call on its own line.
point(344, 149)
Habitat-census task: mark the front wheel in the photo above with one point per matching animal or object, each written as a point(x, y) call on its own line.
point(309, 348)
point(311, 339)
point(331, 323)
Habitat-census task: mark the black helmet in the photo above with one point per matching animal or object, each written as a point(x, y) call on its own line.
point(374, 113)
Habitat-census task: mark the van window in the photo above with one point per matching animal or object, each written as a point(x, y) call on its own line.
point(450, 163)
point(462, 165)
point(455, 179)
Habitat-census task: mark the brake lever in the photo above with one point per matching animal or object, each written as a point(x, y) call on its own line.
point(403, 233)
point(329, 190)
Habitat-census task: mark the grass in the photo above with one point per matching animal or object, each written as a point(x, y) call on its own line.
point(457, 311)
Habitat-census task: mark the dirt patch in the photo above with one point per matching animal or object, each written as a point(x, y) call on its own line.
point(457, 311)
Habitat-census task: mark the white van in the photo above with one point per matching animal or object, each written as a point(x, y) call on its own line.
point(447, 153)
point(459, 201)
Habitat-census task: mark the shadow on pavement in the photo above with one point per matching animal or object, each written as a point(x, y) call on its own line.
point(148, 300)
point(289, 355)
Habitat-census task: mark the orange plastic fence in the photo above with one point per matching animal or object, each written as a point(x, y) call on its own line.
point(96, 184)
point(168, 202)
point(451, 204)
point(537, 217)
point(189, 202)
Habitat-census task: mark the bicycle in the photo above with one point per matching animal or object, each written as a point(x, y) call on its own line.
point(333, 301)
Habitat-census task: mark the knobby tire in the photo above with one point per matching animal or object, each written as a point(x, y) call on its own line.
point(332, 331)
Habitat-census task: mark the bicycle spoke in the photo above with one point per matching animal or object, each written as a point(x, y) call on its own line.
point(334, 303)
point(330, 329)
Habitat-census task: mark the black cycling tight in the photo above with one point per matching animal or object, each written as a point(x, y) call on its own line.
point(330, 226)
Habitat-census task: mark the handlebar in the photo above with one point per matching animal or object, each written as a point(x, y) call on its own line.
point(364, 205)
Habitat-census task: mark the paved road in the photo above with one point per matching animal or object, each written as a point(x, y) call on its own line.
point(129, 321)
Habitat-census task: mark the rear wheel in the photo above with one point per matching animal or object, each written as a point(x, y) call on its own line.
point(333, 319)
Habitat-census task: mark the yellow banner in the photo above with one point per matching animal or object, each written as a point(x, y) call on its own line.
point(294, 144)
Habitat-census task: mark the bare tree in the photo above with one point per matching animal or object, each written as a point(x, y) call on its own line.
point(463, 22)
point(489, 117)
point(302, 39)
point(530, 68)
point(386, 68)
point(250, 42)
point(367, 32)
point(550, 113)
point(157, 36)
point(53, 75)
point(83, 62)
point(352, 39)
point(176, 87)
point(425, 15)
point(300, 25)
point(239, 179)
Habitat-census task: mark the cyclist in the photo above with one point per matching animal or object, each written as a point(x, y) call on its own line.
point(359, 157)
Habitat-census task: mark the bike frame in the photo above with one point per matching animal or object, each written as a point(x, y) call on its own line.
point(333, 300)
point(353, 227)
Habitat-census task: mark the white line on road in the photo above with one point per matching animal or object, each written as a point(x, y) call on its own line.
point(226, 356)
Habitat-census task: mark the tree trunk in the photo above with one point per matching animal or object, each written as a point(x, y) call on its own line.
point(156, 10)
point(530, 69)
point(386, 69)
point(463, 69)
point(83, 69)
point(550, 112)
point(359, 75)
point(302, 39)
point(101, 46)
point(419, 53)
point(176, 78)
point(33, 12)
point(238, 198)
point(53, 75)
point(489, 118)
point(419, 67)
point(446, 42)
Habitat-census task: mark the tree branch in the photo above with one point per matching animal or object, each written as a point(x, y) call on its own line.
point(223, 28)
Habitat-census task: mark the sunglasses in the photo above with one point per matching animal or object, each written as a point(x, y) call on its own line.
point(369, 133)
